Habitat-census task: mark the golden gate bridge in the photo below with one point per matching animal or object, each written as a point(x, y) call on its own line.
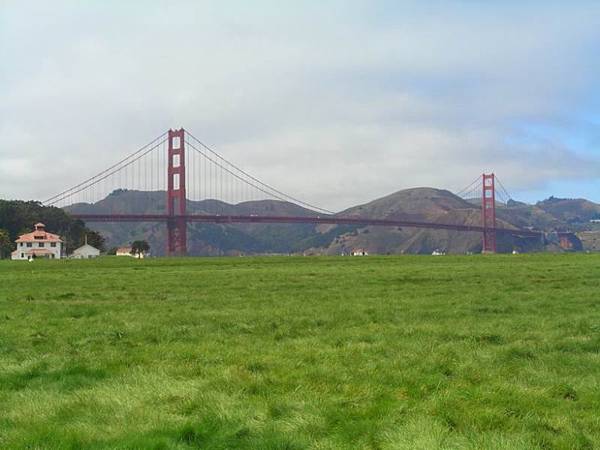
point(185, 168)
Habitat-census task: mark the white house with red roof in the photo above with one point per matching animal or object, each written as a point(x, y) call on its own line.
point(38, 244)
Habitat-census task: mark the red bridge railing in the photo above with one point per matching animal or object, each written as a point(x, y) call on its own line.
point(328, 220)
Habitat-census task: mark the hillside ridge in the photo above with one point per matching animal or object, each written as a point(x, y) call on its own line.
point(415, 204)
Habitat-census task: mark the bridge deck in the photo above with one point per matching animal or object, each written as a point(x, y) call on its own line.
point(326, 220)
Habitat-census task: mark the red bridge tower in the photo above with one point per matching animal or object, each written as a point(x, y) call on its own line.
point(488, 213)
point(176, 198)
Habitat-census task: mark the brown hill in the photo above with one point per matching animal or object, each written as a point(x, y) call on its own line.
point(422, 204)
point(576, 211)
point(204, 239)
point(418, 204)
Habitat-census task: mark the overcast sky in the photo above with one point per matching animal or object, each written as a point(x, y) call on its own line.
point(335, 102)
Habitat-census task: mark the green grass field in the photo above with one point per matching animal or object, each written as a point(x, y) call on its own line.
point(473, 352)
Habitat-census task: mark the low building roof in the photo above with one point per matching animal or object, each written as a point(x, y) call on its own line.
point(86, 247)
point(39, 251)
point(39, 236)
point(34, 252)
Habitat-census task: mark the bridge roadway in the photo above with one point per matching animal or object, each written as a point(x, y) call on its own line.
point(326, 220)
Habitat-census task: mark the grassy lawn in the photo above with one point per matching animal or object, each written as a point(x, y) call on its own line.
point(474, 352)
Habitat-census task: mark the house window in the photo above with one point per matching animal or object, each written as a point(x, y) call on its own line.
point(29, 244)
point(53, 244)
point(40, 244)
point(21, 244)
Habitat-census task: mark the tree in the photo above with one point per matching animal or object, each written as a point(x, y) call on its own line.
point(97, 240)
point(17, 217)
point(5, 244)
point(94, 239)
point(139, 248)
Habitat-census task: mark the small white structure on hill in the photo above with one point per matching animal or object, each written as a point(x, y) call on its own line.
point(38, 244)
point(128, 251)
point(124, 251)
point(86, 251)
point(359, 252)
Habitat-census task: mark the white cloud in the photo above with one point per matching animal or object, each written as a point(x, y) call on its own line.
point(337, 103)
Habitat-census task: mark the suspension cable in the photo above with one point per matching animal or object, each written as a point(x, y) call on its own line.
point(265, 185)
point(98, 178)
point(217, 164)
point(470, 188)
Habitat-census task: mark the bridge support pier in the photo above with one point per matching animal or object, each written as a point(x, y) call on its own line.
point(176, 237)
point(176, 195)
point(488, 213)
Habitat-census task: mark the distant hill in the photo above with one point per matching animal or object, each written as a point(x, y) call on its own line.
point(418, 204)
point(576, 211)
point(18, 217)
point(431, 205)
point(203, 239)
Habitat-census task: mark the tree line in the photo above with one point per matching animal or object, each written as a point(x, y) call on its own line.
point(18, 217)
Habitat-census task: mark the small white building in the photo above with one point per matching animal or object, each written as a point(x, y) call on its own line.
point(86, 251)
point(124, 251)
point(128, 251)
point(38, 244)
point(359, 252)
